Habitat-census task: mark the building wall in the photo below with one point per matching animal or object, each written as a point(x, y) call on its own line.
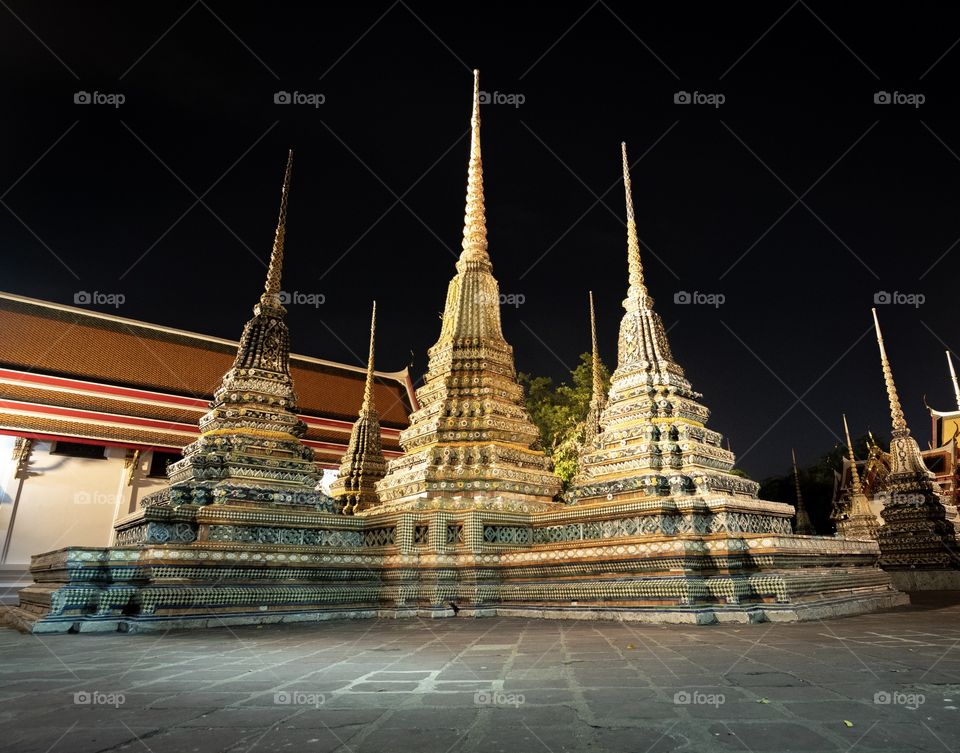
point(61, 500)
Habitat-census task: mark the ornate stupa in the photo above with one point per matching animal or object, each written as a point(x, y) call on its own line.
point(363, 464)
point(466, 524)
point(654, 440)
point(857, 521)
point(249, 448)
point(471, 443)
point(919, 530)
point(801, 520)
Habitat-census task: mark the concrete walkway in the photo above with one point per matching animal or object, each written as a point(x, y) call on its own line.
point(881, 682)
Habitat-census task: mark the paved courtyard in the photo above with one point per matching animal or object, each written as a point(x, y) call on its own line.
point(882, 682)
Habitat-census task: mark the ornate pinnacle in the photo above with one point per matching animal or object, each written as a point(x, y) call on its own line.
point(637, 288)
point(271, 294)
point(368, 404)
point(896, 413)
point(475, 220)
point(854, 475)
point(597, 371)
point(796, 477)
point(953, 378)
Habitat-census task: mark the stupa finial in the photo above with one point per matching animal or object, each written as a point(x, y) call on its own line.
point(475, 220)
point(598, 395)
point(595, 360)
point(854, 474)
point(896, 412)
point(953, 378)
point(271, 294)
point(368, 403)
point(796, 476)
point(638, 288)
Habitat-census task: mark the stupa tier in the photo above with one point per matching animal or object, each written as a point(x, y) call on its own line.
point(653, 439)
point(472, 442)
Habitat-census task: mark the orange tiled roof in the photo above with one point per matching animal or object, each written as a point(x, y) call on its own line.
point(79, 370)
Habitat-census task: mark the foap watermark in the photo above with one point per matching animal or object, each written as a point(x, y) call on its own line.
point(696, 298)
point(900, 499)
point(502, 98)
point(898, 98)
point(298, 298)
point(698, 698)
point(96, 698)
point(498, 698)
point(898, 698)
point(94, 498)
point(896, 298)
point(298, 698)
point(97, 298)
point(111, 99)
point(503, 299)
point(312, 99)
point(712, 99)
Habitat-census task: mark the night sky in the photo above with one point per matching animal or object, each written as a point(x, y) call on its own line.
point(797, 199)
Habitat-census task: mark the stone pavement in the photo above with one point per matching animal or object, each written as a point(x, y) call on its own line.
point(880, 682)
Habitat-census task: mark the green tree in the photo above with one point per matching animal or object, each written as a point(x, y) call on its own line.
point(559, 413)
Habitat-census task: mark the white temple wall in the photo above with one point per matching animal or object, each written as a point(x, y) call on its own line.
point(63, 500)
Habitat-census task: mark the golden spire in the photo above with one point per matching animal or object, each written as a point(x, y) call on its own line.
point(896, 413)
point(271, 294)
point(953, 378)
point(854, 474)
point(368, 403)
point(637, 288)
point(597, 370)
point(475, 220)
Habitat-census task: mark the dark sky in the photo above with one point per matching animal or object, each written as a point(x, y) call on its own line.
point(823, 196)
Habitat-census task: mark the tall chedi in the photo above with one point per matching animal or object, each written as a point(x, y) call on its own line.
point(919, 529)
point(363, 464)
point(471, 443)
point(249, 448)
point(654, 441)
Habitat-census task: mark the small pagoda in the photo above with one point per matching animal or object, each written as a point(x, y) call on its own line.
point(363, 464)
point(856, 521)
point(801, 519)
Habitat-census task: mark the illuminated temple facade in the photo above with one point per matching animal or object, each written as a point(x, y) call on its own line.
point(466, 520)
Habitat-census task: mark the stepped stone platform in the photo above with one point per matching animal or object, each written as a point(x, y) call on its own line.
point(682, 560)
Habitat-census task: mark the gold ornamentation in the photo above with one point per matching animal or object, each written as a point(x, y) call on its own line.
point(270, 300)
point(953, 378)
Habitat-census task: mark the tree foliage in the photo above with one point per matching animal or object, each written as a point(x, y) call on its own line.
point(560, 411)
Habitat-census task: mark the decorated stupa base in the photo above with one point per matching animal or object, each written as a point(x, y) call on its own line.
point(674, 560)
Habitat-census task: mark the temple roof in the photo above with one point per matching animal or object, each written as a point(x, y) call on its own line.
point(67, 371)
